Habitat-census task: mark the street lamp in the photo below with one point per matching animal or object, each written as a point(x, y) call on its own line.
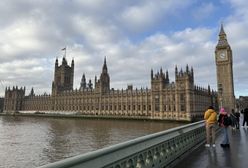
point(220, 91)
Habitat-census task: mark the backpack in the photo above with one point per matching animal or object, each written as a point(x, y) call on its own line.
point(226, 121)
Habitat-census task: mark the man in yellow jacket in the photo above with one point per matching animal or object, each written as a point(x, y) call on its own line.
point(210, 118)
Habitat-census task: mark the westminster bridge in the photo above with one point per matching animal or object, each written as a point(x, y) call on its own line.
point(177, 147)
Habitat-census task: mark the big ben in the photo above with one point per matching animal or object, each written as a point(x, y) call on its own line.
point(224, 67)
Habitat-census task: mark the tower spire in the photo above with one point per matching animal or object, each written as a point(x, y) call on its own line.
point(105, 68)
point(104, 78)
point(222, 42)
point(222, 32)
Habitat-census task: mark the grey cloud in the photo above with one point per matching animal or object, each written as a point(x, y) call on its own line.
point(94, 29)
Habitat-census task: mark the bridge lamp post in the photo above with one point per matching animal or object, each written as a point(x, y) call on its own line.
point(220, 96)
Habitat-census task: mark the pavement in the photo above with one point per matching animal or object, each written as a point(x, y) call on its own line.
point(208, 157)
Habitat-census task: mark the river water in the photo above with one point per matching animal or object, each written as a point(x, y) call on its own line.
point(27, 142)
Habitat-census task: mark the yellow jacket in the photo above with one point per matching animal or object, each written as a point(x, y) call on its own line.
point(210, 116)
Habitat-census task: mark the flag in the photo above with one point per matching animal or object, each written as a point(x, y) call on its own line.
point(63, 48)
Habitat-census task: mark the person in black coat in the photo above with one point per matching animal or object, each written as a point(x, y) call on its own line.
point(237, 114)
point(245, 119)
point(234, 120)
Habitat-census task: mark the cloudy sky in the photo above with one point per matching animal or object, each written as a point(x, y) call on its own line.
point(134, 35)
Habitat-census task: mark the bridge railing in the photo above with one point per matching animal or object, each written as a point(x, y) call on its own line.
point(162, 149)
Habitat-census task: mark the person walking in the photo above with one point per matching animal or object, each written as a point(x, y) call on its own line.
point(234, 120)
point(245, 117)
point(210, 117)
point(237, 114)
point(224, 121)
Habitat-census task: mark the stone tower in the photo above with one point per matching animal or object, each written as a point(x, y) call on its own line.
point(13, 100)
point(103, 84)
point(184, 83)
point(83, 84)
point(158, 83)
point(63, 76)
point(224, 67)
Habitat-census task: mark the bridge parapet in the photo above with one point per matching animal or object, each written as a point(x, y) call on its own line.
point(162, 149)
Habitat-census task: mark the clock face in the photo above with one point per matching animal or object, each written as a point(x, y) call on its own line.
point(222, 56)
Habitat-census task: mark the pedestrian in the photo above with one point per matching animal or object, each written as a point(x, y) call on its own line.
point(210, 117)
point(224, 121)
point(245, 117)
point(237, 114)
point(233, 119)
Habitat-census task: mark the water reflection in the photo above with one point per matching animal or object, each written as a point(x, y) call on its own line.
point(31, 142)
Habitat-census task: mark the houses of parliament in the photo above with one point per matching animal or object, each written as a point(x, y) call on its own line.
point(165, 100)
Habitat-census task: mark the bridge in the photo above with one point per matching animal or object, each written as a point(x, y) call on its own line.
point(177, 147)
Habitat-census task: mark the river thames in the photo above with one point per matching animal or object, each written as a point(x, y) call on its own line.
point(34, 141)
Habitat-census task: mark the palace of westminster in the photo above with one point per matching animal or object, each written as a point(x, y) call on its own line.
point(178, 100)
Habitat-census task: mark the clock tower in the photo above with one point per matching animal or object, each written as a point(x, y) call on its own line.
point(224, 67)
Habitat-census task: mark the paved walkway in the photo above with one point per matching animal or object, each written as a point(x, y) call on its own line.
point(234, 157)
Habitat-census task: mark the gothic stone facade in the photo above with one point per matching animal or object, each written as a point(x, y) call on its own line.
point(179, 100)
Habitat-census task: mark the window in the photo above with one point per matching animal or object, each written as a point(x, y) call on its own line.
point(157, 109)
point(182, 107)
point(182, 97)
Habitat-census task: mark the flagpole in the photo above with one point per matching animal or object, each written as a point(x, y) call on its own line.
point(65, 51)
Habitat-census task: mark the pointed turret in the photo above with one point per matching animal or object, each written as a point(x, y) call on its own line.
point(222, 32)
point(104, 67)
point(222, 42)
point(104, 78)
point(72, 62)
point(56, 63)
point(209, 89)
point(167, 80)
point(151, 73)
point(187, 68)
point(181, 71)
point(176, 70)
point(32, 92)
point(83, 83)
point(64, 61)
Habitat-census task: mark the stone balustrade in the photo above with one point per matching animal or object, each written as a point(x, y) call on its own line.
point(159, 150)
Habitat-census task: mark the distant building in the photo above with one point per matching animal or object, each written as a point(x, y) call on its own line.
point(242, 102)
